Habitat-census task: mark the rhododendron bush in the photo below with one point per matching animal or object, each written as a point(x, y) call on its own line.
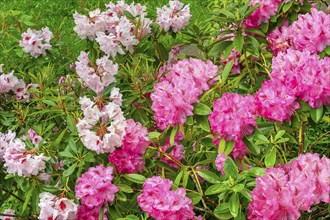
point(159, 117)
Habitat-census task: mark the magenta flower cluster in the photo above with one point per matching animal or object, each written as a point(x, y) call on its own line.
point(129, 159)
point(290, 188)
point(233, 116)
point(162, 203)
point(304, 75)
point(95, 188)
point(179, 89)
point(176, 16)
point(36, 42)
point(310, 32)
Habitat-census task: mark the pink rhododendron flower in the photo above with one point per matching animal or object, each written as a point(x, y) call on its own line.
point(176, 16)
point(220, 162)
point(311, 32)
point(7, 81)
point(162, 203)
point(109, 123)
point(35, 138)
point(5, 140)
point(275, 101)
point(87, 213)
point(179, 89)
point(129, 159)
point(262, 14)
point(54, 207)
point(233, 116)
point(96, 77)
point(305, 75)
point(17, 159)
point(94, 187)
point(36, 42)
point(289, 188)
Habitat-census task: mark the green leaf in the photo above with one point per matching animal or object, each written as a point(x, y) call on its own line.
point(261, 138)
point(252, 147)
point(174, 132)
point(27, 198)
point(226, 71)
point(72, 127)
point(317, 114)
point(222, 146)
point(227, 13)
point(279, 134)
point(217, 189)
point(201, 109)
point(222, 211)
point(229, 147)
point(203, 123)
point(154, 135)
point(209, 176)
point(136, 178)
point(128, 15)
point(270, 157)
point(178, 179)
point(234, 204)
point(287, 6)
point(230, 168)
point(70, 170)
point(59, 138)
point(239, 42)
point(125, 188)
point(195, 197)
point(255, 31)
point(101, 213)
point(238, 188)
point(219, 48)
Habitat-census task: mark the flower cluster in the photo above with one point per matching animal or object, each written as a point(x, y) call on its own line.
point(233, 116)
point(18, 160)
point(305, 75)
point(176, 152)
point(275, 101)
point(112, 29)
point(103, 127)
point(7, 212)
point(286, 189)
point(36, 42)
point(95, 189)
point(129, 158)
point(263, 13)
point(220, 163)
point(98, 76)
point(35, 138)
point(179, 89)
point(176, 16)
point(87, 213)
point(54, 207)
point(310, 32)
point(162, 203)
point(9, 82)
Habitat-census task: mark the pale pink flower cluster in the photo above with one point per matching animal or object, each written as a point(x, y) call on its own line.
point(276, 101)
point(310, 32)
point(129, 159)
point(36, 42)
point(35, 138)
point(103, 127)
point(305, 75)
point(9, 82)
point(162, 203)
point(290, 188)
point(95, 189)
point(179, 89)
point(233, 116)
point(176, 16)
point(17, 160)
point(8, 212)
point(176, 152)
point(54, 207)
point(112, 29)
point(262, 14)
point(96, 77)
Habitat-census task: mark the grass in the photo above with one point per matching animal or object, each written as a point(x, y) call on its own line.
point(18, 15)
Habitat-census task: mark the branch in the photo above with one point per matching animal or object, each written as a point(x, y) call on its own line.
point(317, 140)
